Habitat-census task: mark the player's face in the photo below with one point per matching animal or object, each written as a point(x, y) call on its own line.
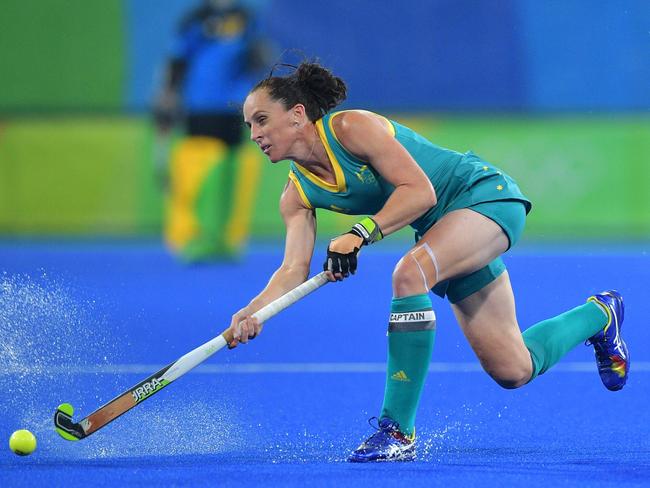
point(273, 128)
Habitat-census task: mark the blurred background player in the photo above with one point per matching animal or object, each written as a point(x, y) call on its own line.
point(210, 176)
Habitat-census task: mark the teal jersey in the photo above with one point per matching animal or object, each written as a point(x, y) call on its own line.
point(460, 180)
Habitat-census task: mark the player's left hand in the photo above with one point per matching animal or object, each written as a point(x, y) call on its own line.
point(341, 258)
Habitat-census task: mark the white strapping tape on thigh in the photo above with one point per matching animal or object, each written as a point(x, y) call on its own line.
point(426, 247)
point(433, 258)
point(424, 277)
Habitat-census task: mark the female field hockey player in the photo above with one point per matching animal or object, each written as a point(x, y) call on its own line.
point(465, 212)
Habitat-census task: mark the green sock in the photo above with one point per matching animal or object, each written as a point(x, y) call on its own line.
point(411, 333)
point(549, 340)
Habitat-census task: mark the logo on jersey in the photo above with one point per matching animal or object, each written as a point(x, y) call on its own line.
point(365, 175)
point(339, 209)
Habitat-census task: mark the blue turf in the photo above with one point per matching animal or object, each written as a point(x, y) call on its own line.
point(67, 306)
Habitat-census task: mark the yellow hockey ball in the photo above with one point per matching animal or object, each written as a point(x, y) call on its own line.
point(22, 442)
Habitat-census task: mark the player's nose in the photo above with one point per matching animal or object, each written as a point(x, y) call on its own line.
point(255, 134)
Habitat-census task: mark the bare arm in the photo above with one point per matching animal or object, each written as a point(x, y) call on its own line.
point(366, 136)
point(300, 225)
point(167, 105)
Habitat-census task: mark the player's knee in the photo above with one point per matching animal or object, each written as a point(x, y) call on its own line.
point(408, 279)
point(510, 377)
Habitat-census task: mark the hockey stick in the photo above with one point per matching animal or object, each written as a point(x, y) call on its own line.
point(73, 431)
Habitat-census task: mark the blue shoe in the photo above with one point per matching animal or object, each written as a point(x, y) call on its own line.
point(387, 444)
point(612, 357)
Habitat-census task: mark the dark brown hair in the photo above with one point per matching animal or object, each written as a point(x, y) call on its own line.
point(312, 85)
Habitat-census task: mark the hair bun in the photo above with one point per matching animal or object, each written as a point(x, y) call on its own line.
point(310, 84)
point(321, 84)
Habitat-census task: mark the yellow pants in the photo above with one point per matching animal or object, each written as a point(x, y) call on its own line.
point(211, 197)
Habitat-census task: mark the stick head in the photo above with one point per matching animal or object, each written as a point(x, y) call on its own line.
point(64, 425)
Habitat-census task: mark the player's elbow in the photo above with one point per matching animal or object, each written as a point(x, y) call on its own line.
point(428, 196)
point(296, 272)
point(433, 199)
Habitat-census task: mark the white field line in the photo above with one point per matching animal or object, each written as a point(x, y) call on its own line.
point(292, 368)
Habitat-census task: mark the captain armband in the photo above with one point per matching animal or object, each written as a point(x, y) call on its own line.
point(368, 230)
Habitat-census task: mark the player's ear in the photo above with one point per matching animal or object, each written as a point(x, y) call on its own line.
point(299, 115)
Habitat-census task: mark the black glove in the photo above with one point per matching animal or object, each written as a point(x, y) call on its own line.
point(336, 262)
point(341, 263)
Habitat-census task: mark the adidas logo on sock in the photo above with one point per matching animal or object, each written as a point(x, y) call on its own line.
point(400, 376)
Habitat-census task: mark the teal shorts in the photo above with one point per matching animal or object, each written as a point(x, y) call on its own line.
point(511, 217)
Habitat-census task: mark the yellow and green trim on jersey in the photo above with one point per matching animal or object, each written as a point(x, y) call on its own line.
point(460, 180)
